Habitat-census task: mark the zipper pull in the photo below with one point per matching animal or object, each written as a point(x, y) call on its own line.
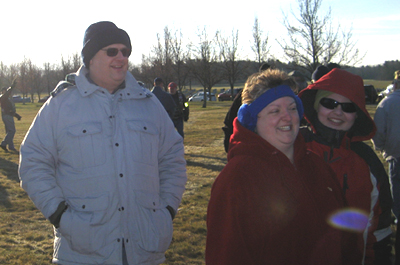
point(345, 184)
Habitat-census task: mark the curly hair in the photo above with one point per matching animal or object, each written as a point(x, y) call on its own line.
point(260, 82)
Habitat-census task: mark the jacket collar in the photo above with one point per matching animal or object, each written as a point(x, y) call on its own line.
point(328, 136)
point(129, 89)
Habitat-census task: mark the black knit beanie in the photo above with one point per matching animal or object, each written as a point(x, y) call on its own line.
point(319, 72)
point(100, 35)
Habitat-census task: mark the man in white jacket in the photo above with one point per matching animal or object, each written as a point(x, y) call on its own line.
point(103, 161)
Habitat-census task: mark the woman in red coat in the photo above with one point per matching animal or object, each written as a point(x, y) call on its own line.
point(339, 123)
point(272, 202)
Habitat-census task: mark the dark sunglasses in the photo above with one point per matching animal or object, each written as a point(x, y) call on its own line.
point(329, 103)
point(112, 52)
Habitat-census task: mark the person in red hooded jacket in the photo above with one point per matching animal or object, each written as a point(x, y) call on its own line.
point(339, 122)
point(271, 202)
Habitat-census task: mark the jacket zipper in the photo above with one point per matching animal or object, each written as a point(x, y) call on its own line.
point(345, 184)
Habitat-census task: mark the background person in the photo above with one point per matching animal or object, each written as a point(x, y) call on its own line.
point(270, 203)
point(335, 108)
point(181, 113)
point(8, 112)
point(300, 80)
point(164, 97)
point(318, 73)
point(387, 140)
point(103, 162)
point(332, 66)
point(397, 75)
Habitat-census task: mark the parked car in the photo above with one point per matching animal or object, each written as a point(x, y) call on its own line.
point(200, 97)
point(386, 92)
point(44, 99)
point(226, 95)
point(19, 99)
point(370, 94)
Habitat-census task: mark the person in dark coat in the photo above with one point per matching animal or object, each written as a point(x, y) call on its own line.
point(8, 113)
point(164, 97)
point(181, 113)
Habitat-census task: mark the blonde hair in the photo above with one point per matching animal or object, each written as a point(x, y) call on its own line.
point(260, 82)
point(397, 74)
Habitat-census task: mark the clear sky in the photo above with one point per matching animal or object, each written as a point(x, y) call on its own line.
point(45, 30)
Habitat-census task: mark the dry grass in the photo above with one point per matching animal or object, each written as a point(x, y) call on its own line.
point(26, 237)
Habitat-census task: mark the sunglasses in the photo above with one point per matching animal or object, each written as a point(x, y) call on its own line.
point(329, 103)
point(112, 52)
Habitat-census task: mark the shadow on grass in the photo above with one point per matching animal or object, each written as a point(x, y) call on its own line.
point(205, 165)
point(10, 170)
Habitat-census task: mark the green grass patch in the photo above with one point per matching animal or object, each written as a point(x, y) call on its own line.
point(378, 84)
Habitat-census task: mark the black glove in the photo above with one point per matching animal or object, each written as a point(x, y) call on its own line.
point(55, 218)
point(171, 211)
point(17, 116)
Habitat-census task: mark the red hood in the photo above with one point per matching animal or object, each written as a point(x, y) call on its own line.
point(346, 84)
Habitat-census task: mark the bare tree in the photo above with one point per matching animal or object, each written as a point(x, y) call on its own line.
point(232, 67)
point(205, 65)
point(50, 77)
point(260, 44)
point(146, 72)
point(30, 78)
point(35, 80)
point(162, 56)
point(23, 84)
point(76, 62)
point(8, 74)
point(179, 58)
point(69, 65)
point(3, 74)
point(12, 73)
point(313, 40)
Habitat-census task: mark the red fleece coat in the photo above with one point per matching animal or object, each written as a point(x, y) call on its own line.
point(265, 210)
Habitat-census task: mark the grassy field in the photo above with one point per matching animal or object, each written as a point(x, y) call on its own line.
point(26, 237)
point(378, 84)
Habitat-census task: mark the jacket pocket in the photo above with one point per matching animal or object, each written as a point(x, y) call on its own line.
point(84, 146)
point(154, 226)
point(143, 139)
point(83, 223)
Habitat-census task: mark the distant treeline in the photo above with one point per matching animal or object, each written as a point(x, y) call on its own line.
point(42, 80)
point(383, 71)
point(378, 72)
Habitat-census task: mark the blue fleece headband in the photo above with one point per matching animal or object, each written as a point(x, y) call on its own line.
point(247, 114)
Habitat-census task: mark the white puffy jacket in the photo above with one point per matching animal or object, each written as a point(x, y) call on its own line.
point(117, 161)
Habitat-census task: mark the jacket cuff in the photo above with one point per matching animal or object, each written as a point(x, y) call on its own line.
point(56, 216)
